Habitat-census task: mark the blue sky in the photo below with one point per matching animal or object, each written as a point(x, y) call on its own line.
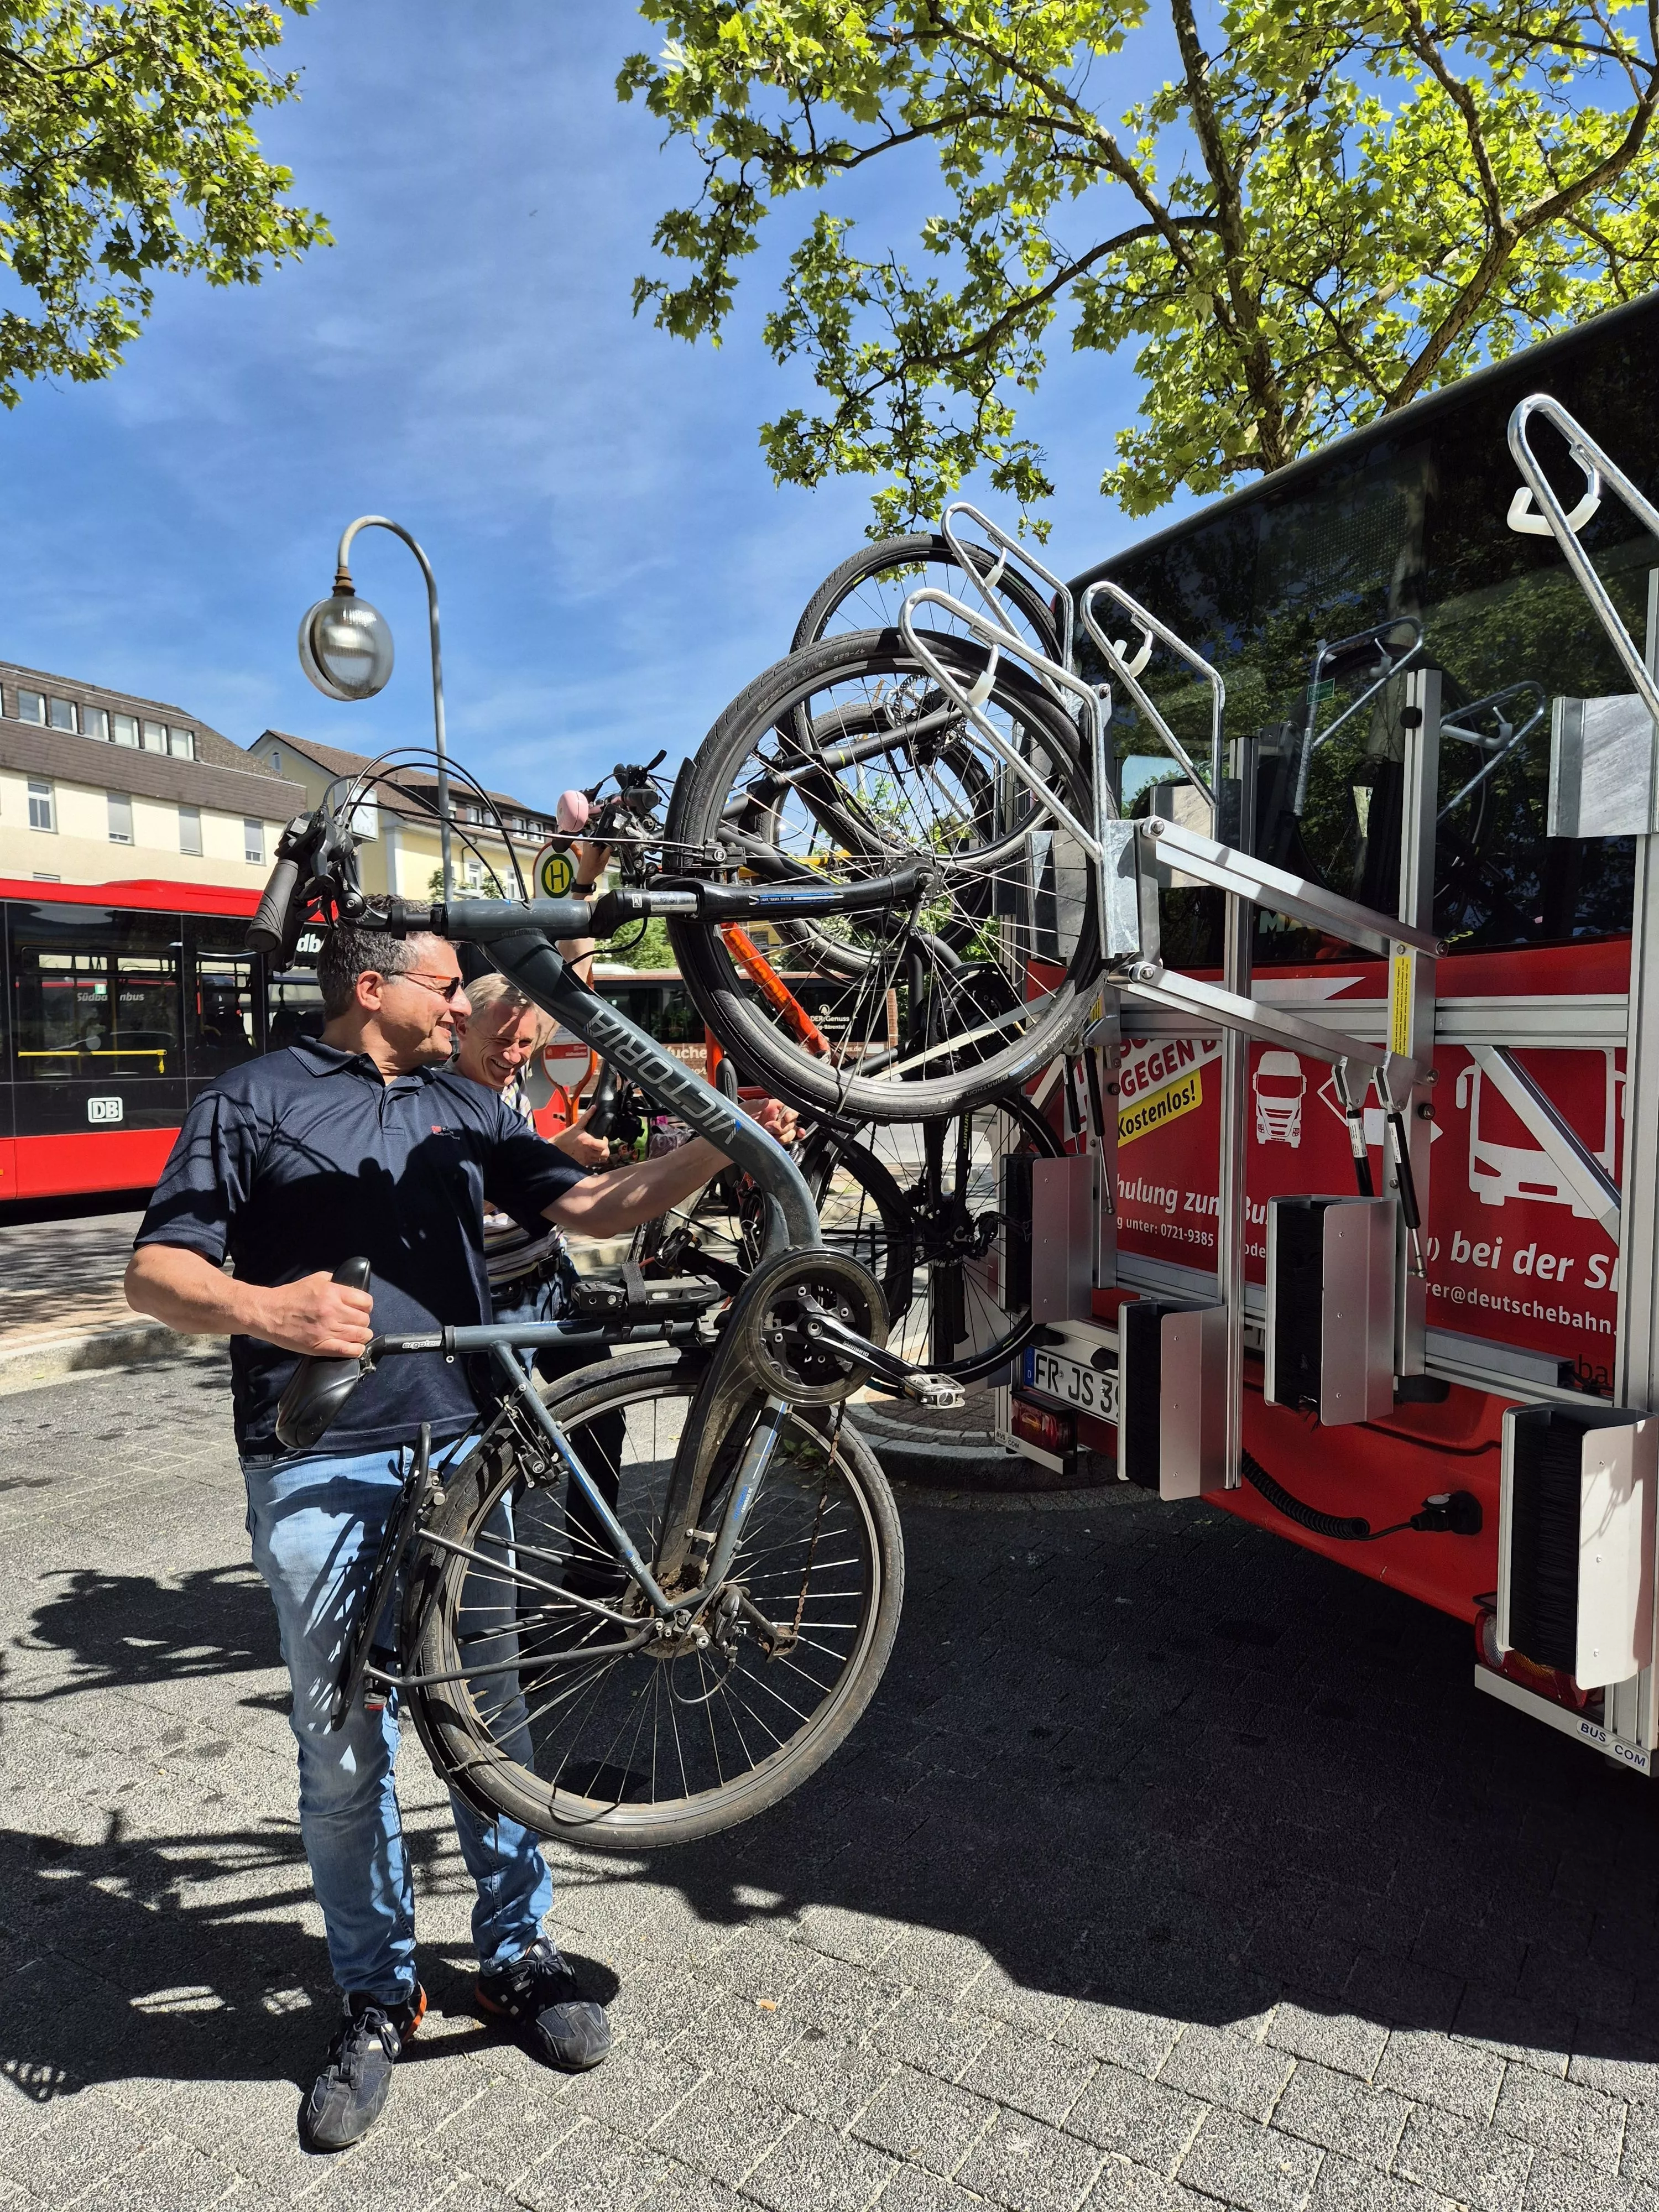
point(613, 559)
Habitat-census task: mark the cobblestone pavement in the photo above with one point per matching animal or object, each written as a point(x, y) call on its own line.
point(1173, 1867)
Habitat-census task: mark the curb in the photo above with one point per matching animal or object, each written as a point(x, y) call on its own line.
point(95, 1351)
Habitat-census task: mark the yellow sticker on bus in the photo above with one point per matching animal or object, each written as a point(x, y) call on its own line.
point(1184, 1096)
point(1402, 982)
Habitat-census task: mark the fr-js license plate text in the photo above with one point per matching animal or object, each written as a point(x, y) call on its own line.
point(1087, 1389)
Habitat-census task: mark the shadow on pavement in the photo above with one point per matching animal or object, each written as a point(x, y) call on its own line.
point(1148, 1756)
point(120, 1632)
point(230, 1989)
point(1139, 1755)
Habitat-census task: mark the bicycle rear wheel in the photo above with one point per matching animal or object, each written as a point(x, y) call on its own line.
point(543, 1721)
point(922, 1205)
point(867, 591)
point(979, 984)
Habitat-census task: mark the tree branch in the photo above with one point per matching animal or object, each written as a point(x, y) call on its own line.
point(1260, 376)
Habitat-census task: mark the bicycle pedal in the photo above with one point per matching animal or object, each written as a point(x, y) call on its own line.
point(938, 1391)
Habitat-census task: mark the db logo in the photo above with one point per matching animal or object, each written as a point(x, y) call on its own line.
point(104, 1109)
point(554, 873)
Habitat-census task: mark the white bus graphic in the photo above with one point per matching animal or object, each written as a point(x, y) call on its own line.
point(1499, 1172)
point(1279, 1086)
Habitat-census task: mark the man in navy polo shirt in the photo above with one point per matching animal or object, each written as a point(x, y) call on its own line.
point(363, 1142)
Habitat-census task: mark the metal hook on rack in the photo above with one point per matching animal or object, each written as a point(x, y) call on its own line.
point(1509, 741)
point(1092, 713)
point(1600, 473)
point(1129, 672)
point(1010, 548)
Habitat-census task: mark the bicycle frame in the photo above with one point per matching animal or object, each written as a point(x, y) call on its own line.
point(502, 1342)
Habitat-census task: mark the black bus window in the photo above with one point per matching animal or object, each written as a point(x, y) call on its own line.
point(224, 1014)
point(640, 1004)
point(679, 1022)
point(293, 1009)
point(94, 995)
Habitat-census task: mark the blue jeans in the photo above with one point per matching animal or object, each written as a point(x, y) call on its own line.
point(316, 1523)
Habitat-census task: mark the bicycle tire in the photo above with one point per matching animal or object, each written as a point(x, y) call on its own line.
point(699, 817)
point(921, 549)
point(495, 1777)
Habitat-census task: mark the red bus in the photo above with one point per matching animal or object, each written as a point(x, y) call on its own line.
point(122, 1001)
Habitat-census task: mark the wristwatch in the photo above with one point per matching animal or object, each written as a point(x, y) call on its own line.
point(583, 890)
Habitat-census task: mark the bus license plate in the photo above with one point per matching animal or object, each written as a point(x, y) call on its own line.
point(1068, 1380)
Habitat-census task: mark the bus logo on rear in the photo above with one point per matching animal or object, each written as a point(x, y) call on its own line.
point(104, 1109)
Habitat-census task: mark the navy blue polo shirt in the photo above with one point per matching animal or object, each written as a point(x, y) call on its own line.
point(299, 1160)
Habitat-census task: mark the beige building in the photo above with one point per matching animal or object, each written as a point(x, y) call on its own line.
point(99, 787)
point(399, 852)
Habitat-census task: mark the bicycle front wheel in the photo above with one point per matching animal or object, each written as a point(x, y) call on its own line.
point(517, 1606)
point(847, 762)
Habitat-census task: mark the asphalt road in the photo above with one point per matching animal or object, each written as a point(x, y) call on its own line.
point(1172, 1867)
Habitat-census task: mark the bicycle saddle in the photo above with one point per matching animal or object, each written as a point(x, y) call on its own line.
point(318, 1388)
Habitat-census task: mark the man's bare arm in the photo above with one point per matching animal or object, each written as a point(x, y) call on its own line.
point(188, 1293)
point(611, 1204)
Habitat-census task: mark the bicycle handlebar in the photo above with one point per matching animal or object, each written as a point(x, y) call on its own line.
point(314, 862)
point(485, 921)
point(268, 931)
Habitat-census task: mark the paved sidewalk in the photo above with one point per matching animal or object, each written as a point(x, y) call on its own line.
point(56, 1276)
point(1173, 1868)
point(63, 1315)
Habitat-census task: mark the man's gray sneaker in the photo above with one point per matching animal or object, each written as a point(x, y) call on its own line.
point(349, 2095)
point(544, 1999)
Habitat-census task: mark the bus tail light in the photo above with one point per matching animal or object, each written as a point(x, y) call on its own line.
point(1041, 1426)
point(1543, 1682)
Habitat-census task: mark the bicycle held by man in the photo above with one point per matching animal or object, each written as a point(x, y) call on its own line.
point(651, 1597)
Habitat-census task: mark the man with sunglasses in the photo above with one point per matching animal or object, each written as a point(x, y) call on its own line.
point(362, 1142)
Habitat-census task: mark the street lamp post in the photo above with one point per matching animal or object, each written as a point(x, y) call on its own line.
point(345, 648)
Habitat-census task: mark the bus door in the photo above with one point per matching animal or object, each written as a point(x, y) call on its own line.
point(225, 1002)
point(97, 1045)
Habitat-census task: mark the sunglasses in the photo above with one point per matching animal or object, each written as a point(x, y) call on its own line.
point(442, 986)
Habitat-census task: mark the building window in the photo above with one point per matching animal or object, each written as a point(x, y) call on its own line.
point(43, 809)
point(32, 707)
point(190, 830)
point(125, 729)
point(94, 723)
point(120, 819)
point(254, 843)
point(275, 759)
point(61, 712)
point(156, 737)
point(181, 743)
